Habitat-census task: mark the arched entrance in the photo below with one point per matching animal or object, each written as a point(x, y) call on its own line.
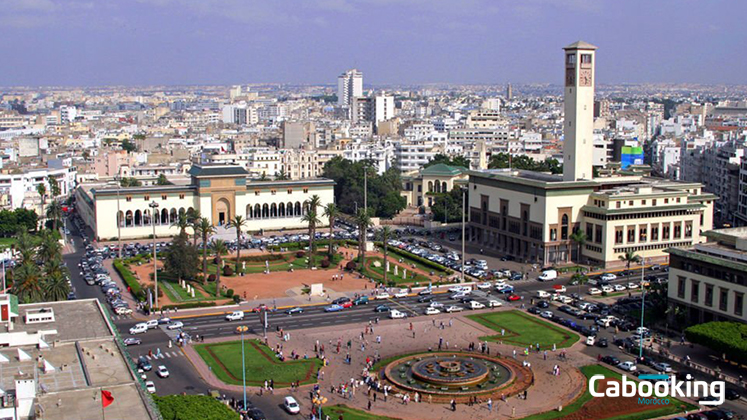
point(223, 209)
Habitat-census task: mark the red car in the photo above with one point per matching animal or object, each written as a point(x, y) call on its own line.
point(262, 306)
point(513, 297)
point(348, 304)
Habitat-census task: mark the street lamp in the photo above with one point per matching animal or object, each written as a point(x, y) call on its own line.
point(643, 301)
point(243, 367)
point(119, 222)
point(464, 212)
point(154, 208)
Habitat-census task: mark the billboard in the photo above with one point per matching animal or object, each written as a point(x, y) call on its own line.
point(631, 155)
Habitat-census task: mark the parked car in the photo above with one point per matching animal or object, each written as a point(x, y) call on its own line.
point(547, 314)
point(627, 366)
point(175, 325)
point(611, 360)
point(453, 308)
point(162, 372)
point(432, 311)
point(608, 277)
point(291, 405)
point(662, 367)
point(593, 291)
point(150, 386)
point(131, 341)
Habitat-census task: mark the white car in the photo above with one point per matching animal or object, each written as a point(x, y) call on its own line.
point(564, 299)
point(139, 328)
point(546, 314)
point(383, 295)
point(235, 316)
point(608, 289)
point(542, 294)
point(162, 372)
point(395, 314)
point(150, 386)
point(627, 366)
point(151, 323)
point(619, 288)
point(606, 321)
point(500, 284)
point(608, 277)
point(432, 311)
point(401, 294)
point(633, 285)
point(291, 405)
point(594, 291)
point(494, 303)
point(142, 374)
point(453, 308)
point(473, 304)
point(436, 305)
point(121, 310)
point(484, 286)
point(175, 325)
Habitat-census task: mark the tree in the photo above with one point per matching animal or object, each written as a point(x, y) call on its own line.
point(162, 180)
point(331, 212)
point(128, 146)
point(42, 190)
point(54, 186)
point(524, 162)
point(385, 232)
point(263, 177)
point(447, 207)
point(580, 280)
point(281, 176)
point(205, 228)
point(25, 247)
point(239, 223)
point(22, 219)
point(451, 161)
point(49, 248)
point(181, 259)
point(312, 219)
point(130, 182)
point(181, 222)
point(363, 220)
point(579, 238)
point(220, 249)
point(54, 213)
point(27, 284)
point(56, 287)
point(628, 258)
point(193, 217)
point(726, 338)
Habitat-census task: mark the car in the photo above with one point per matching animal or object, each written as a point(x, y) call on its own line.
point(590, 340)
point(436, 305)
point(494, 303)
point(294, 310)
point(361, 300)
point(122, 310)
point(382, 308)
point(144, 364)
point(547, 314)
point(484, 286)
point(627, 366)
point(255, 414)
point(453, 308)
point(513, 297)
point(608, 277)
point(593, 291)
point(619, 288)
point(150, 386)
point(347, 304)
point(333, 308)
point(235, 316)
point(632, 285)
point(611, 360)
point(426, 298)
point(131, 341)
point(424, 292)
point(543, 304)
point(732, 394)
point(139, 328)
point(607, 289)
point(506, 289)
point(383, 295)
point(473, 304)
point(291, 405)
point(395, 314)
point(162, 372)
point(175, 325)
point(401, 294)
point(559, 289)
point(662, 367)
point(261, 307)
point(164, 320)
point(151, 323)
point(432, 311)
point(534, 310)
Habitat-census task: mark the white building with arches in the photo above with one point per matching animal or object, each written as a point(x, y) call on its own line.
point(218, 192)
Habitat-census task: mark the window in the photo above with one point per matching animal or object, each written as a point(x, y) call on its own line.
point(598, 234)
point(256, 192)
point(631, 234)
point(655, 233)
point(666, 201)
point(681, 287)
point(618, 204)
point(677, 230)
point(708, 295)
point(146, 197)
point(688, 229)
point(618, 235)
point(643, 234)
point(589, 231)
point(553, 234)
point(164, 196)
point(128, 198)
point(630, 203)
point(653, 202)
point(273, 192)
point(694, 291)
point(723, 302)
point(738, 303)
point(643, 202)
point(290, 191)
point(305, 190)
point(570, 59)
point(665, 232)
point(564, 227)
point(585, 58)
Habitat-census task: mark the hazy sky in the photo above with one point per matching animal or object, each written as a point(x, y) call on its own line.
point(141, 42)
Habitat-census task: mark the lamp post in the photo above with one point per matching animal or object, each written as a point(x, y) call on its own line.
point(243, 368)
point(154, 208)
point(643, 307)
point(464, 212)
point(119, 222)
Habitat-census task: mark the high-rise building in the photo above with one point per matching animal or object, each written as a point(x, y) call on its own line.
point(384, 108)
point(578, 127)
point(349, 85)
point(509, 92)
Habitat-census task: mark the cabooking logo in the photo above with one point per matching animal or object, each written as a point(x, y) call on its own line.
point(661, 387)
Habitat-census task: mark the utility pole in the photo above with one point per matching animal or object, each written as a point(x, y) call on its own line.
point(243, 368)
point(464, 212)
point(154, 209)
point(119, 222)
point(365, 186)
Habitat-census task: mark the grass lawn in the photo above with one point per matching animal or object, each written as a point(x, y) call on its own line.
point(288, 261)
point(378, 273)
point(343, 411)
point(261, 364)
point(524, 330)
point(7, 242)
point(674, 407)
point(409, 262)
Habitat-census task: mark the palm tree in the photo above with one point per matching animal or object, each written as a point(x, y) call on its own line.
point(205, 228)
point(386, 232)
point(56, 287)
point(363, 220)
point(313, 203)
point(193, 217)
point(331, 212)
point(181, 222)
point(42, 190)
point(580, 280)
point(54, 213)
point(25, 247)
point(219, 248)
point(579, 238)
point(49, 248)
point(54, 267)
point(239, 223)
point(629, 257)
point(27, 282)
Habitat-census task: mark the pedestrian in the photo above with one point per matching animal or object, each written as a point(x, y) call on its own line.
point(369, 405)
point(490, 405)
point(413, 334)
point(453, 405)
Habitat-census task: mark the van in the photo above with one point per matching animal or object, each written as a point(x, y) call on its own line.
point(590, 340)
point(542, 294)
point(139, 328)
point(235, 316)
point(548, 275)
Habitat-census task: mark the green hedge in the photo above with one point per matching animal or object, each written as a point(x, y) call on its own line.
point(193, 407)
point(426, 262)
point(202, 304)
point(129, 279)
point(728, 338)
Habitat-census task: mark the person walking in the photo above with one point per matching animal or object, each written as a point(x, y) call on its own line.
point(490, 405)
point(453, 405)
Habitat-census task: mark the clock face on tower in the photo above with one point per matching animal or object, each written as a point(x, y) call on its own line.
point(584, 77)
point(570, 77)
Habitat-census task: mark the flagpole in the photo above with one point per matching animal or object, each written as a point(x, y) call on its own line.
point(101, 394)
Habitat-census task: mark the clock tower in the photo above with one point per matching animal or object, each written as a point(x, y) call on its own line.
point(578, 127)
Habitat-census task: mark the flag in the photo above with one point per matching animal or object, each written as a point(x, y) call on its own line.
point(106, 398)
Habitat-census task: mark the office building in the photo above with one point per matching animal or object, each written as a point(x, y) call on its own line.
point(349, 86)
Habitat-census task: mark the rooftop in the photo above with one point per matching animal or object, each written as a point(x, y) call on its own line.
point(580, 45)
point(442, 169)
point(199, 171)
point(67, 323)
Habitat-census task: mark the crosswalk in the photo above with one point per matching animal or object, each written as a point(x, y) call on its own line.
point(163, 355)
point(121, 317)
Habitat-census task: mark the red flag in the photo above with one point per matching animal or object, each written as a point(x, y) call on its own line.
point(106, 398)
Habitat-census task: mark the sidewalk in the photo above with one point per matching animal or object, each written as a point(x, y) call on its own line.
point(703, 360)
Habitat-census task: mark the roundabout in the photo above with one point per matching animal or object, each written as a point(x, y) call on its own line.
point(456, 375)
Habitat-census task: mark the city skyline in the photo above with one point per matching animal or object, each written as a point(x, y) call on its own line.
point(182, 42)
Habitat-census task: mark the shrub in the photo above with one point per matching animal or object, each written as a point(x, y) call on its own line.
point(300, 254)
point(236, 299)
point(212, 278)
point(216, 260)
point(325, 263)
point(129, 279)
point(193, 407)
point(202, 304)
point(351, 265)
point(229, 293)
point(425, 262)
point(729, 338)
point(227, 271)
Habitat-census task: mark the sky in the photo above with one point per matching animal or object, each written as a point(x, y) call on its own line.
point(221, 42)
